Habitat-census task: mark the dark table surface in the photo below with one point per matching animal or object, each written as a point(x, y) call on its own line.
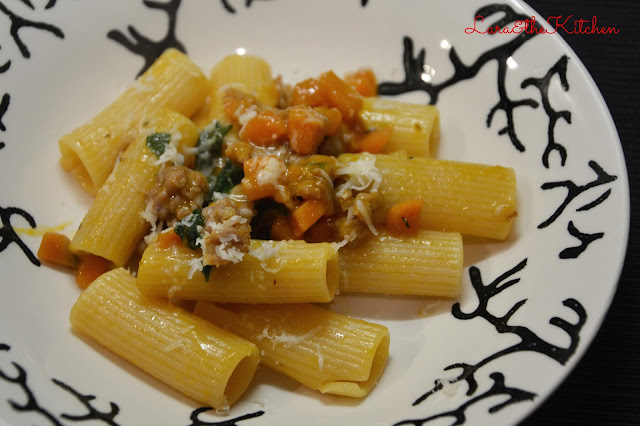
point(604, 389)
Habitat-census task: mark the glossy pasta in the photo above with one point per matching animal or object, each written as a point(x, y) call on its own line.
point(469, 198)
point(89, 152)
point(427, 264)
point(194, 356)
point(272, 272)
point(120, 203)
point(252, 199)
point(321, 349)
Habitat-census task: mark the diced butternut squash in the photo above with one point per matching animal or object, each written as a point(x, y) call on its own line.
point(364, 81)
point(305, 215)
point(90, 268)
point(264, 129)
point(309, 92)
point(236, 103)
point(54, 248)
point(372, 141)
point(306, 129)
point(341, 96)
point(334, 119)
point(404, 217)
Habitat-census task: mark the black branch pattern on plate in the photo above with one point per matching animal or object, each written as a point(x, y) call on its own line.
point(229, 8)
point(585, 240)
point(19, 379)
point(573, 190)
point(529, 341)
point(499, 388)
point(18, 22)
point(8, 235)
point(195, 421)
point(414, 69)
point(4, 107)
point(149, 49)
point(5, 66)
point(31, 405)
point(542, 84)
point(49, 4)
point(92, 412)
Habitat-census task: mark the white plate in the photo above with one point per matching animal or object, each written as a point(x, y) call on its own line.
point(60, 63)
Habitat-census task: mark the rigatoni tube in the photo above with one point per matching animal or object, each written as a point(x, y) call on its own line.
point(247, 73)
point(416, 128)
point(469, 198)
point(271, 272)
point(319, 348)
point(89, 152)
point(201, 360)
point(114, 225)
point(427, 264)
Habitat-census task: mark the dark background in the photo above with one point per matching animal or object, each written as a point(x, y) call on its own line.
point(604, 389)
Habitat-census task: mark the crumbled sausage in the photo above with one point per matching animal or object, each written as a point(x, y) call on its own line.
point(178, 191)
point(227, 231)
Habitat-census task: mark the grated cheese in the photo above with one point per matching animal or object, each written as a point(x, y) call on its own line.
point(365, 216)
point(231, 254)
point(187, 329)
point(286, 339)
point(270, 172)
point(346, 240)
point(246, 114)
point(320, 358)
point(361, 174)
point(195, 265)
point(152, 218)
point(171, 154)
point(173, 345)
point(222, 250)
point(426, 310)
point(266, 251)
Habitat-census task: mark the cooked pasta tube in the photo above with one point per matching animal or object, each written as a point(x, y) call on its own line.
point(201, 360)
point(416, 128)
point(319, 348)
point(114, 225)
point(89, 152)
point(427, 264)
point(247, 73)
point(272, 272)
point(473, 199)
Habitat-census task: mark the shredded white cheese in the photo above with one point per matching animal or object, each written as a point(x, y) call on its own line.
point(246, 114)
point(231, 254)
point(361, 174)
point(347, 239)
point(187, 329)
point(286, 339)
point(270, 172)
point(268, 250)
point(195, 265)
point(220, 226)
point(173, 345)
point(365, 216)
point(426, 310)
point(320, 358)
point(150, 217)
point(171, 154)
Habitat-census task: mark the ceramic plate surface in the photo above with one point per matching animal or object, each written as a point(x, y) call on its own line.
point(529, 305)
